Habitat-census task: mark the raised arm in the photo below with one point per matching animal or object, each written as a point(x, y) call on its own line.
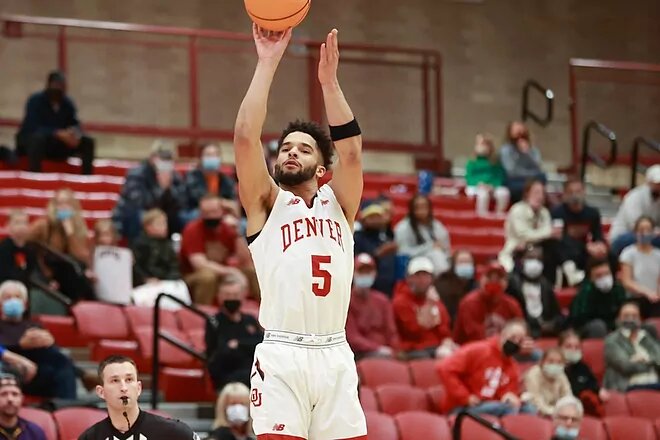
point(256, 189)
point(347, 173)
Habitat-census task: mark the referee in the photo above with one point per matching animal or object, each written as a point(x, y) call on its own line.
point(120, 389)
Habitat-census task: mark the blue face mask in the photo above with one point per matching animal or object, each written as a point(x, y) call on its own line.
point(13, 308)
point(64, 214)
point(364, 281)
point(644, 238)
point(464, 270)
point(210, 163)
point(563, 433)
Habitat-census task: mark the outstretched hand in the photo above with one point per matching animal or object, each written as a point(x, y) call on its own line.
point(270, 45)
point(329, 59)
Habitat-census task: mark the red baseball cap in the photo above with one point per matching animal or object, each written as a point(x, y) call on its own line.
point(490, 267)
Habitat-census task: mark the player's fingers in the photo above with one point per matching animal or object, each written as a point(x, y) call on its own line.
point(322, 54)
point(255, 31)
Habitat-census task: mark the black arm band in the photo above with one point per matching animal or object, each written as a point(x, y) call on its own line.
point(345, 131)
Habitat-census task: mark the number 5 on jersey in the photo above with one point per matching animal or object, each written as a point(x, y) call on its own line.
point(321, 287)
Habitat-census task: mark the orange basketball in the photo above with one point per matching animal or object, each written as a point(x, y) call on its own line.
point(277, 15)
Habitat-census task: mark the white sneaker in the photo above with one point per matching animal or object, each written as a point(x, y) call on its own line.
point(574, 276)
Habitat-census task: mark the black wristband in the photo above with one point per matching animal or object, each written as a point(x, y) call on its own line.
point(345, 131)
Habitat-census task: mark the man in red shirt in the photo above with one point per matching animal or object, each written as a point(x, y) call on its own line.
point(483, 377)
point(483, 312)
point(211, 249)
point(421, 318)
point(370, 327)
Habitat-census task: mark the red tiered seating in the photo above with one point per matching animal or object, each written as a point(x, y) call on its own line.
point(527, 427)
point(54, 181)
point(139, 317)
point(437, 398)
point(471, 429)
point(592, 428)
point(186, 384)
point(423, 372)
point(565, 297)
point(616, 405)
point(97, 320)
point(63, 329)
point(71, 422)
point(368, 399)
point(415, 425)
point(169, 354)
point(628, 428)
point(593, 352)
point(191, 321)
point(645, 404)
point(39, 199)
point(42, 418)
point(396, 398)
point(376, 372)
point(381, 426)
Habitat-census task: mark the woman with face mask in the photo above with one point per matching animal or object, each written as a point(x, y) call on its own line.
point(232, 414)
point(546, 383)
point(457, 282)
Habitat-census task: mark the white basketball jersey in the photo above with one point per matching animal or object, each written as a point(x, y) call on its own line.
point(304, 262)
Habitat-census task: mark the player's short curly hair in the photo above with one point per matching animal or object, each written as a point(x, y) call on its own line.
point(323, 141)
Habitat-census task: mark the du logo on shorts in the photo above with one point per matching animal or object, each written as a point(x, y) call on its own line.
point(255, 397)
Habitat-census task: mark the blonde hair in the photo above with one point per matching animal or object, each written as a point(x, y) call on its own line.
point(79, 226)
point(102, 225)
point(233, 389)
point(150, 216)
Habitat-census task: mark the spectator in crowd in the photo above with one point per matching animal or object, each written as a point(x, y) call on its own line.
point(583, 381)
point(377, 239)
point(211, 247)
point(66, 254)
point(419, 234)
point(454, 284)
point(536, 295)
point(520, 158)
point(485, 311)
point(640, 268)
point(17, 260)
point(51, 129)
point(483, 376)
point(422, 320)
point(644, 200)
point(567, 418)
point(370, 327)
point(56, 376)
point(594, 308)
point(207, 178)
point(232, 337)
point(13, 427)
point(546, 382)
point(152, 184)
point(388, 212)
point(105, 233)
point(232, 414)
point(632, 356)
point(582, 232)
point(485, 177)
point(23, 368)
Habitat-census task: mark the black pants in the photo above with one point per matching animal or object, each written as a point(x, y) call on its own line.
point(73, 283)
point(38, 146)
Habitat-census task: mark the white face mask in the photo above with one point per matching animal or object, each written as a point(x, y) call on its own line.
point(532, 268)
point(553, 370)
point(572, 356)
point(604, 283)
point(237, 414)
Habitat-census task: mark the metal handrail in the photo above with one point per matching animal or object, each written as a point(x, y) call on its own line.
point(174, 341)
point(549, 103)
point(634, 159)
point(61, 298)
point(458, 426)
point(587, 155)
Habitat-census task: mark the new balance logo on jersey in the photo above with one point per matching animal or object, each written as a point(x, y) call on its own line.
point(310, 227)
point(293, 202)
point(279, 427)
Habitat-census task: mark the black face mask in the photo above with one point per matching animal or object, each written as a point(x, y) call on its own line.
point(54, 94)
point(510, 348)
point(232, 305)
point(211, 223)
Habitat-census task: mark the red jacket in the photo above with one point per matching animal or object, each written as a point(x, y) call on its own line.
point(476, 319)
point(370, 324)
point(412, 335)
point(479, 368)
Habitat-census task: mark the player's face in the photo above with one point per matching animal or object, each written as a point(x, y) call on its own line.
point(119, 380)
point(298, 160)
point(11, 400)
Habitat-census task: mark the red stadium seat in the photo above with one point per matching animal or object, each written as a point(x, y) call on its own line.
point(655, 322)
point(380, 426)
point(645, 404)
point(527, 427)
point(198, 339)
point(437, 396)
point(139, 317)
point(565, 297)
point(415, 425)
point(594, 356)
point(628, 428)
point(250, 307)
point(107, 347)
point(375, 372)
point(63, 329)
point(657, 427)
point(42, 418)
point(189, 320)
point(472, 430)
point(545, 343)
point(617, 405)
point(592, 429)
point(89, 315)
point(396, 398)
point(423, 372)
point(186, 385)
point(71, 422)
point(169, 354)
point(368, 399)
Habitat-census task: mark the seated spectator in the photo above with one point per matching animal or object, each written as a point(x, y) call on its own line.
point(419, 234)
point(210, 246)
point(454, 284)
point(583, 381)
point(483, 377)
point(13, 427)
point(421, 318)
point(632, 356)
point(582, 233)
point(377, 239)
point(67, 257)
point(546, 383)
point(156, 266)
point(51, 129)
point(232, 339)
point(640, 268)
point(520, 159)
point(152, 184)
point(370, 327)
point(485, 177)
point(17, 260)
point(594, 308)
point(567, 418)
point(485, 311)
point(105, 233)
point(56, 376)
point(20, 366)
point(232, 414)
point(536, 295)
point(644, 200)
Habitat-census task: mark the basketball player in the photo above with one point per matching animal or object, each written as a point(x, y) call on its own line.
point(120, 388)
point(304, 381)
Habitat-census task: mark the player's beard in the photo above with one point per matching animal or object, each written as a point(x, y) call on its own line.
point(294, 178)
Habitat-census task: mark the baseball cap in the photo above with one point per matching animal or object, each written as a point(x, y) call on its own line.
point(372, 207)
point(420, 264)
point(163, 150)
point(653, 174)
point(493, 266)
point(363, 260)
point(9, 379)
